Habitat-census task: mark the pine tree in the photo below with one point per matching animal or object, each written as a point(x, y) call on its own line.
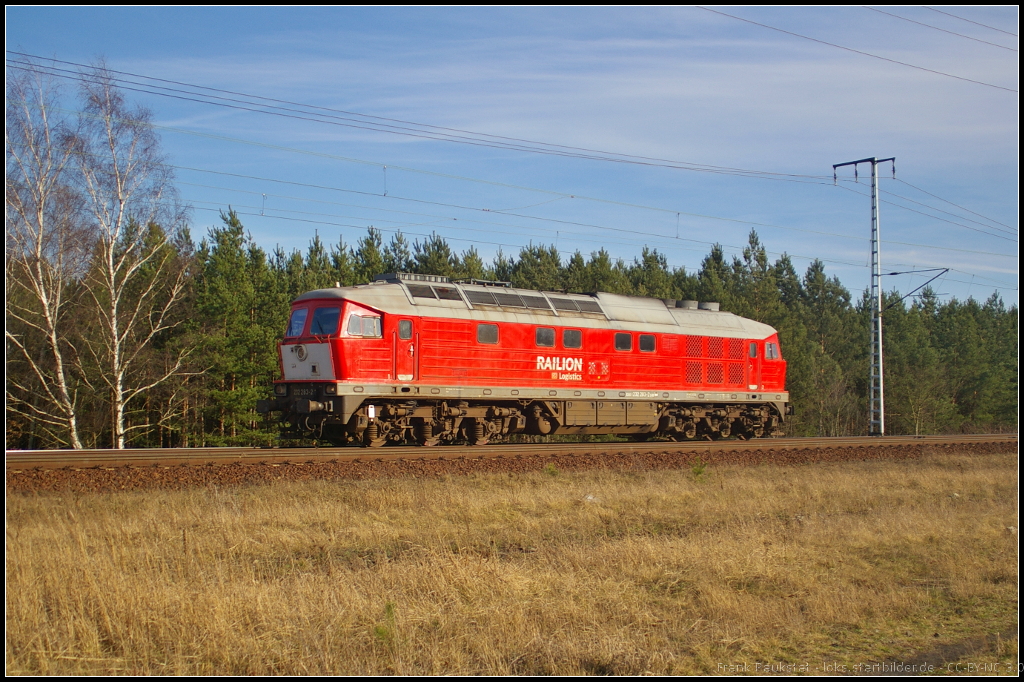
point(433, 257)
point(470, 265)
point(649, 275)
point(241, 312)
point(369, 258)
point(397, 256)
point(605, 275)
point(538, 267)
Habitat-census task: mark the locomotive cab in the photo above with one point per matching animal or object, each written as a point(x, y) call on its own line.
point(334, 341)
point(306, 353)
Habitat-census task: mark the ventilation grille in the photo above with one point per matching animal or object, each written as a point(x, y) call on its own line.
point(693, 346)
point(589, 307)
point(563, 304)
point(447, 293)
point(537, 302)
point(508, 300)
point(693, 372)
point(480, 297)
point(714, 372)
point(736, 373)
point(421, 291)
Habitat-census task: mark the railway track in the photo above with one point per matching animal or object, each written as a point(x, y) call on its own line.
point(80, 459)
point(100, 470)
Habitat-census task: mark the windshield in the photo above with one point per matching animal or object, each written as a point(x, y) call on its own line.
point(298, 322)
point(325, 321)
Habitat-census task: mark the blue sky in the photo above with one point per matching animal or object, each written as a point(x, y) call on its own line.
point(681, 84)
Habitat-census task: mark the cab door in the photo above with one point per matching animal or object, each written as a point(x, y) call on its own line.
point(405, 345)
point(754, 366)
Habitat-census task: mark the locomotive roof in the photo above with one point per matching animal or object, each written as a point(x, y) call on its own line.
point(436, 297)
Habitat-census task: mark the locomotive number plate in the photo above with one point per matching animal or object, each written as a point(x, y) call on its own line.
point(300, 391)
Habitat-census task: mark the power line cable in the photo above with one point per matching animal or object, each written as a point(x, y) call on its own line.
point(976, 222)
point(861, 52)
point(972, 22)
point(448, 175)
point(957, 205)
point(505, 224)
point(494, 141)
point(912, 210)
point(745, 223)
point(896, 16)
point(438, 219)
point(620, 203)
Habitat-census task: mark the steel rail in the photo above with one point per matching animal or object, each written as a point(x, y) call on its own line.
point(166, 457)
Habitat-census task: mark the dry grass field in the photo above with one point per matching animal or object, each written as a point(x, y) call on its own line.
point(720, 570)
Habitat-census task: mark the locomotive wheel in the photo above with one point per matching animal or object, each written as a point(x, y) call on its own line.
point(478, 433)
point(372, 437)
point(688, 432)
point(425, 434)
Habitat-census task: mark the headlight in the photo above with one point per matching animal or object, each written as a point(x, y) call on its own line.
point(281, 389)
point(331, 389)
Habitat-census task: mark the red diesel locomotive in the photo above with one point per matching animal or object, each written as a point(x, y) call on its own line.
point(418, 358)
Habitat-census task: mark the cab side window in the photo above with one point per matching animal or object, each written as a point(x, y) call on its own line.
point(367, 326)
point(771, 351)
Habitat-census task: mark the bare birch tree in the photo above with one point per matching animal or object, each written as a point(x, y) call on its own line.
point(47, 247)
point(137, 279)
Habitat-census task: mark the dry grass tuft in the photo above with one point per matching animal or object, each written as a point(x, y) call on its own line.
point(549, 572)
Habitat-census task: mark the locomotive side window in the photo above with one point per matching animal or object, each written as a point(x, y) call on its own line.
point(298, 321)
point(647, 343)
point(367, 327)
point(405, 330)
point(771, 351)
point(371, 327)
point(753, 350)
point(487, 333)
point(546, 337)
point(325, 321)
point(623, 341)
point(572, 338)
